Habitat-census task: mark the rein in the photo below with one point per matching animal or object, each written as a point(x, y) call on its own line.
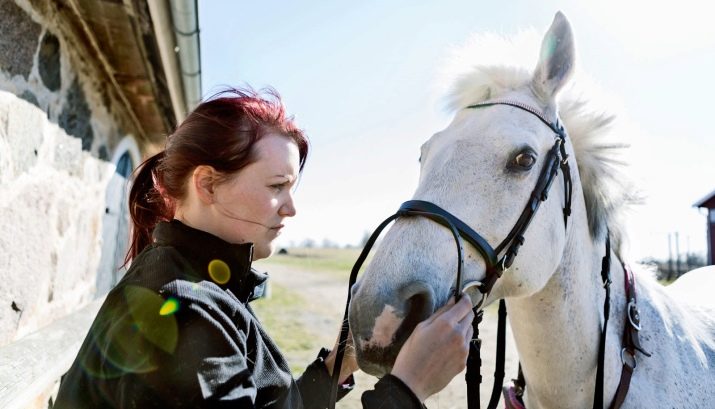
point(556, 160)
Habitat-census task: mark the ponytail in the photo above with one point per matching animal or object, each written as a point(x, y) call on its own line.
point(147, 205)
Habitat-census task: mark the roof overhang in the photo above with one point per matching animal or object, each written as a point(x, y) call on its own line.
point(708, 201)
point(133, 47)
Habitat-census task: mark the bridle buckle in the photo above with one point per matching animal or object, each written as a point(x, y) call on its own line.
point(626, 362)
point(634, 316)
point(473, 290)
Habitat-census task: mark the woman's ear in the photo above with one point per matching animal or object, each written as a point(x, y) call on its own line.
point(203, 181)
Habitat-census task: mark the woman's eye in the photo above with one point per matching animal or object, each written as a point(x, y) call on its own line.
point(278, 187)
point(524, 160)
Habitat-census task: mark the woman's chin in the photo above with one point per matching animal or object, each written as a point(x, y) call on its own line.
point(261, 252)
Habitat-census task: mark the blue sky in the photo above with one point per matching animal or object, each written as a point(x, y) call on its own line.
point(362, 80)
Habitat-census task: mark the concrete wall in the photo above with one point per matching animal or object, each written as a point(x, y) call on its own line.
point(63, 219)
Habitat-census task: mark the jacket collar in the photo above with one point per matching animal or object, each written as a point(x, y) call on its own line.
point(225, 264)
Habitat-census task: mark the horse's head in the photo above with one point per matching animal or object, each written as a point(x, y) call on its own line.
point(482, 168)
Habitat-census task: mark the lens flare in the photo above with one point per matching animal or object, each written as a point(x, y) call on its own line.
point(144, 304)
point(219, 271)
point(132, 331)
point(170, 306)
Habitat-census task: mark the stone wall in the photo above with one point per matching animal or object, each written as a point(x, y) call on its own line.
point(63, 219)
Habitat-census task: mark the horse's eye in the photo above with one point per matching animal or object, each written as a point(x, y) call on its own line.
point(524, 160)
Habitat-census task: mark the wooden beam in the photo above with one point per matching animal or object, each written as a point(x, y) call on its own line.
point(32, 364)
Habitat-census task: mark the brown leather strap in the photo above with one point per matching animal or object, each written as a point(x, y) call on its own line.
point(623, 385)
point(631, 341)
point(631, 344)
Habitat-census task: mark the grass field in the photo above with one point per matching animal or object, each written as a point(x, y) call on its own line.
point(288, 315)
point(292, 337)
point(327, 260)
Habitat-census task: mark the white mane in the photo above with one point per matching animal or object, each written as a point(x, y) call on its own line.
point(608, 192)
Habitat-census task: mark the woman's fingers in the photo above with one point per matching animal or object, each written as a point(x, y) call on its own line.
point(449, 329)
point(459, 311)
point(440, 311)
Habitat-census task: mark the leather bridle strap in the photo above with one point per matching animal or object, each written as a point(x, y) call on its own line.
point(558, 130)
point(538, 195)
point(514, 240)
point(345, 327)
point(447, 219)
point(500, 356)
point(606, 277)
point(631, 341)
point(443, 219)
point(473, 374)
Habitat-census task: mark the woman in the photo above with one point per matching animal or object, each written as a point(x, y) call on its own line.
point(177, 330)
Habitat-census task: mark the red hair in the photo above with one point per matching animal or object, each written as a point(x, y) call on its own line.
point(221, 132)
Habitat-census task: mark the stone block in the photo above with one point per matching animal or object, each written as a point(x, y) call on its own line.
point(21, 128)
point(30, 97)
point(62, 152)
point(52, 210)
point(76, 115)
point(19, 36)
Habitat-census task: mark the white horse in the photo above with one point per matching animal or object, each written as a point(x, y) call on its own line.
point(482, 168)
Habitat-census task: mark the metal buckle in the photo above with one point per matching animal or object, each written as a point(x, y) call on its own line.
point(633, 359)
point(502, 265)
point(634, 316)
point(471, 289)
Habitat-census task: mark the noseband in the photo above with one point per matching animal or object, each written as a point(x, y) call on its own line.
point(496, 260)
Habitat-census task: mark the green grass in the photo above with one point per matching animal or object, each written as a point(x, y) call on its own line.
point(336, 261)
point(286, 315)
point(277, 315)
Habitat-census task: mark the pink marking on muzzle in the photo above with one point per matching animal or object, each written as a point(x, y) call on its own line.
point(384, 330)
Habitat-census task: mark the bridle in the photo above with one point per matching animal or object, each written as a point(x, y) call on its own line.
point(497, 260)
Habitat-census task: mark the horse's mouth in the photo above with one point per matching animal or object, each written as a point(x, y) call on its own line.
point(376, 353)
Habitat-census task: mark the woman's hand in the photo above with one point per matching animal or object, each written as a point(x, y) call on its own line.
point(349, 360)
point(437, 349)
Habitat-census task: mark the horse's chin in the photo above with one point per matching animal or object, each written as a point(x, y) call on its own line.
point(377, 361)
point(374, 369)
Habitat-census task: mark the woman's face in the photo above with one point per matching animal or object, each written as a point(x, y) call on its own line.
point(252, 205)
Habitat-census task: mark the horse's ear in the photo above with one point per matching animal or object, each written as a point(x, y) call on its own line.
point(556, 60)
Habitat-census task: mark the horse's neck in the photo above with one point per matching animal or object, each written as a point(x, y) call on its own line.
point(557, 330)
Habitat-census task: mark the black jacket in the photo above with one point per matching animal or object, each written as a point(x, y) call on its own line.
point(177, 331)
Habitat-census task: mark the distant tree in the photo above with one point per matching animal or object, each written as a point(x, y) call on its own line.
point(308, 243)
point(694, 260)
point(365, 238)
point(666, 270)
point(329, 244)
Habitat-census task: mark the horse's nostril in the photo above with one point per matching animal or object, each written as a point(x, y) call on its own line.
point(419, 304)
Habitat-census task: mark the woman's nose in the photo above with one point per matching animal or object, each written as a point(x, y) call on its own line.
point(288, 208)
